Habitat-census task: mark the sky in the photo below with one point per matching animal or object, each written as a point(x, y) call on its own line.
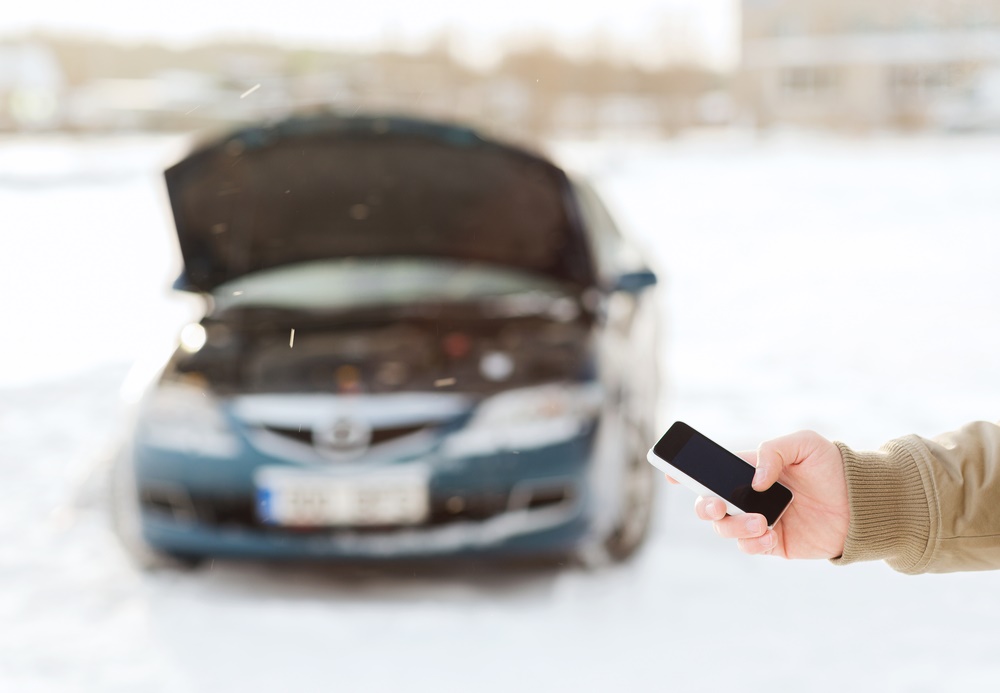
point(648, 31)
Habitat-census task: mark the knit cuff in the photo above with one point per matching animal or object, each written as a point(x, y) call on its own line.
point(890, 515)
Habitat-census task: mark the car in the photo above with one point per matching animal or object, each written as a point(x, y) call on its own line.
point(417, 341)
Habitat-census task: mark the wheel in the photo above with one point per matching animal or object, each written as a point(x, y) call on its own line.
point(638, 493)
point(626, 484)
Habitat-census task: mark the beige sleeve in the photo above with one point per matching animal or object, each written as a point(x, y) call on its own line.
point(926, 505)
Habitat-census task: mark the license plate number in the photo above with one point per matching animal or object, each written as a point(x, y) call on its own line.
point(313, 500)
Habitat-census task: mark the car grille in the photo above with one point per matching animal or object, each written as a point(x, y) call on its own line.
point(379, 435)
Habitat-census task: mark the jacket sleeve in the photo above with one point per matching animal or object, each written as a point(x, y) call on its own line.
point(926, 505)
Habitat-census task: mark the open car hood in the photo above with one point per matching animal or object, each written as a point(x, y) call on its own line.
point(327, 187)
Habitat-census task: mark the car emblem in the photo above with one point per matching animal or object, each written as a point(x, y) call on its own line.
point(343, 439)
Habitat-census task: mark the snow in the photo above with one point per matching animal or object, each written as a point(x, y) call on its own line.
point(842, 285)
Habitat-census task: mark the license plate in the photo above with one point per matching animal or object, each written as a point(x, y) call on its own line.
point(306, 499)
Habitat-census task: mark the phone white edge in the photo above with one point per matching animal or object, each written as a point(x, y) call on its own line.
point(700, 489)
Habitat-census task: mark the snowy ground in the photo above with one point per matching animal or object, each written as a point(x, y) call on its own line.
point(846, 286)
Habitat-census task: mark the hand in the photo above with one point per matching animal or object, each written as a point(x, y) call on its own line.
point(815, 524)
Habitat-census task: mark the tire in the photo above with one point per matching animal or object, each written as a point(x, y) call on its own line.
point(627, 531)
point(638, 495)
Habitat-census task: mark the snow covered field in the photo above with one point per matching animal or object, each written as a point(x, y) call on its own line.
point(849, 286)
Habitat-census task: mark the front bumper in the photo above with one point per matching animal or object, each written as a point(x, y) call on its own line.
point(533, 501)
point(523, 532)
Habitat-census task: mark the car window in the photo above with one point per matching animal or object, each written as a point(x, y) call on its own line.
point(613, 254)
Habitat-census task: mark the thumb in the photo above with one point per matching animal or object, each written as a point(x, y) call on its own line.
point(774, 455)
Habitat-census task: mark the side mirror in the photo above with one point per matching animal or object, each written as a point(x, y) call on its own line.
point(634, 282)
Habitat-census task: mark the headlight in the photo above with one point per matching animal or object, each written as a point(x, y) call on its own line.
point(527, 418)
point(542, 403)
point(193, 337)
point(184, 417)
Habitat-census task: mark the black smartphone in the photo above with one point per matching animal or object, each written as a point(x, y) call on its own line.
point(707, 468)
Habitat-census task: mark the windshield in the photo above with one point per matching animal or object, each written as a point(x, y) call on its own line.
point(354, 282)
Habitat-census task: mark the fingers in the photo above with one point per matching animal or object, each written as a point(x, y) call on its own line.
point(763, 544)
point(708, 508)
point(750, 530)
point(749, 526)
point(671, 479)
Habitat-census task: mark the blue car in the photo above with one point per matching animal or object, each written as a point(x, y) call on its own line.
point(417, 341)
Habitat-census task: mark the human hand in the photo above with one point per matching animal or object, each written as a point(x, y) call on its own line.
point(815, 524)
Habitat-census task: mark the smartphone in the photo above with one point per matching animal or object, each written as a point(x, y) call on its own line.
point(709, 469)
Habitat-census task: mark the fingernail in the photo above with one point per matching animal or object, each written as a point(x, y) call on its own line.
point(767, 541)
point(710, 507)
point(755, 526)
point(758, 476)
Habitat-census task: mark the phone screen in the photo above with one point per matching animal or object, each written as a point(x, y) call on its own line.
point(724, 473)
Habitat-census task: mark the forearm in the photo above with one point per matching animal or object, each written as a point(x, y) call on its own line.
point(927, 505)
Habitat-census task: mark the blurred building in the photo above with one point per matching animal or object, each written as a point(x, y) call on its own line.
point(32, 87)
point(858, 64)
point(90, 85)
